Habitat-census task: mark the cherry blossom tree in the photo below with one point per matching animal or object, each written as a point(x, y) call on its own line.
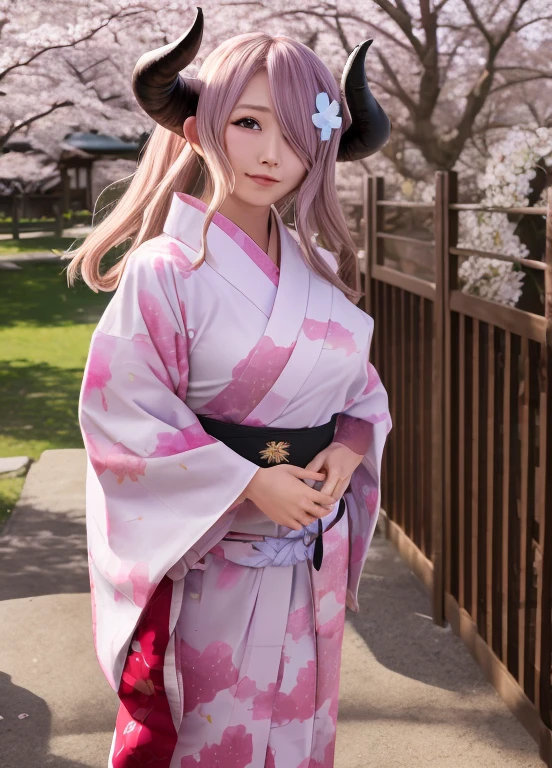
point(39, 74)
point(506, 182)
point(456, 77)
point(66, 66)
point(449, 72)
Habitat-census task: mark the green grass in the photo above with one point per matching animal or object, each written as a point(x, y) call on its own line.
point(45, 243)
point(45, 330)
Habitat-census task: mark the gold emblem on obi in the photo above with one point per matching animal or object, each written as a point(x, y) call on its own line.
point(275, 452)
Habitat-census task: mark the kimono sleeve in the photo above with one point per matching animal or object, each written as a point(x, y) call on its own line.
point(156, 481)
point(352, 431)
point(363, 426)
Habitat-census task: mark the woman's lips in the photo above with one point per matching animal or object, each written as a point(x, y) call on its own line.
point(262, 181)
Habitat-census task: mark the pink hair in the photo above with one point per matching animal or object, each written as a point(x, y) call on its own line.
point(171, 165)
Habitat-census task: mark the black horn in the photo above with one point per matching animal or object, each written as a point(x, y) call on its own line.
point(160, 90)
point(370, 127)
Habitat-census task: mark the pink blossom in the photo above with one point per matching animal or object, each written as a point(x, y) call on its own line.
point(371, 500)
point(138, 576)
point(98, 371)
point(173, 443)
point(333, 625)
point(331, 578)
point(246, 689)
point(356, 434)
point(300, 622)
point(183, 264)
point(207, 673)
point(161, 331)
point(252, 378)
point(234, 751)
point(144, 351)
point(373, 379)
point(97, 458)
point(229, 576)
point(335, 335)
point(282, 708)
point(327, 762)
point(123, 463)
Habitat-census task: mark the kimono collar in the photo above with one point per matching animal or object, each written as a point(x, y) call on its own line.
point(185, 222)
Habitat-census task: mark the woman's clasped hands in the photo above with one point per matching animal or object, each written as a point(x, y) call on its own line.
point(280, 493)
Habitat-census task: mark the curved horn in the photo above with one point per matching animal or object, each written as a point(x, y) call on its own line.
point(370, 128)
point(160, 90)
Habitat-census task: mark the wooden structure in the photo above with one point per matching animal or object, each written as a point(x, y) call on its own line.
point(80, 152)
point(467, 476)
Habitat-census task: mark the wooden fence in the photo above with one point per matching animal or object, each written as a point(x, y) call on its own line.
point(17, 205)
point(467, 476)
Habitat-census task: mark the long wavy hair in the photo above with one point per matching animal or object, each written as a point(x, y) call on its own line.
point(169, 164)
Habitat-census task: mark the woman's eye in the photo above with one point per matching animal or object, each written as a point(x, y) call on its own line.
point(246, 120)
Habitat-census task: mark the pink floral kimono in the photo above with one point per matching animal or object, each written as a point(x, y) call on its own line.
point(224, 655)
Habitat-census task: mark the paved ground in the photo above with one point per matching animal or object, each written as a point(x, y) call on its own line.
point(411, 695)
point(78, 231)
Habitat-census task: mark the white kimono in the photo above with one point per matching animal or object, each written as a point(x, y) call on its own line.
point(222, 654)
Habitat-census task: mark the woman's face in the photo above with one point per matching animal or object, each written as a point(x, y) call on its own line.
point(255, 145)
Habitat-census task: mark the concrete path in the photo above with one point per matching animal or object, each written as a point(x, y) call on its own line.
point(16, 261)
point(411, 695)
point(77, 231)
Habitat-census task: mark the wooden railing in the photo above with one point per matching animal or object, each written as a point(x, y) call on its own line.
point(467, 475)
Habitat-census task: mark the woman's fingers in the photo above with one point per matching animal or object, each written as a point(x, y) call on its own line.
point(316, 510)
point(319, 497)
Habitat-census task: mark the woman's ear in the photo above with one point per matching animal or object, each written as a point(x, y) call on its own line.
point(190, 134)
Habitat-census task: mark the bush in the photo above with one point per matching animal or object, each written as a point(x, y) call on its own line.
point(9, 220)
point(69, 215)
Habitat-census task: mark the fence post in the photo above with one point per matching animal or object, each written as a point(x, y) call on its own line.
point(373, 247)
point(15, 217)
point(445, 231)
point(58, 227)
point(367, 213)
point(545, 660)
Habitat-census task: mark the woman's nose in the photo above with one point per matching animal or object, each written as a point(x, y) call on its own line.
point(272, 150)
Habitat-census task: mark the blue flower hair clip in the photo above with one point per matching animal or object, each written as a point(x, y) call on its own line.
point(326, 118)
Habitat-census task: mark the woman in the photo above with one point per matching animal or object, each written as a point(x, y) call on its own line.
point(233, 424)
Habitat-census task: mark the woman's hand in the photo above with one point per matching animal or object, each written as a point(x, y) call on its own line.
point(338, 462)
point(280, 493)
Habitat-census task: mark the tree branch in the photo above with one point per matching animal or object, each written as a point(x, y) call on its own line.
point(452, 53)
point(491, 126)
point(510, 25)
point(429, 84)
point(439, 6)
point(478, 23)
point(531, 21)
point(511, 83)
point(71, 44)
point(407, 100)
point(341, 34)
point(326, 17)
point(401, 18)
point(15, 127)
point(535, 70)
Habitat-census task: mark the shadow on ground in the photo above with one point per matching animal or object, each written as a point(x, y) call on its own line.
point(39, 295)
point(40, 401)
point(43, 546)
point(410, 691)
point(25, 741)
